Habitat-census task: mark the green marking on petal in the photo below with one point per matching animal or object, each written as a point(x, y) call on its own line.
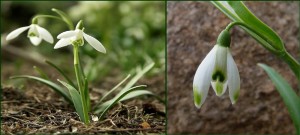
point(197, 96)
point(219, 87)
point(78, 42)
point(31, 34)
point(218, 75)
point(236, 95)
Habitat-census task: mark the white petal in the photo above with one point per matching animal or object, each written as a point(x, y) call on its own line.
point(44, 34)
point(233, 79)
point(94, 43)
point(202, 78)
point(35, 40)
point(67, 34)
point(62, 43)
point(16, 32)
point(219, 75)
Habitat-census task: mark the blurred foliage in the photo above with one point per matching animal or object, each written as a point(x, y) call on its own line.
point(132, 32)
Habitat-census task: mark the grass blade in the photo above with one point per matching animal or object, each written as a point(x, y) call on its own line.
point(61, 72)
point(116, 99)
point(289, 96)
point(52, 85)
point(137, 77)
point(77, 101)
point(113, 89)
point(41, 72)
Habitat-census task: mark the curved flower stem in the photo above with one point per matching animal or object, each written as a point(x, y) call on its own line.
point(292, 62)
point(35, 18)
point(270, 48)
point(80, 83)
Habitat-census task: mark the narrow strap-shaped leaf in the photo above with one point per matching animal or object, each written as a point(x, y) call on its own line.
point(116, 100)
point(137, 77)
point(65, 17)
point(229, 11)
point(113, 89)
point(77, 101)
point(52, 85)
point(61, 72)
point(245, 14)
point(130, 95)
point(86, 95)
point(289, 96)
point(41, 72)
point(100, 107)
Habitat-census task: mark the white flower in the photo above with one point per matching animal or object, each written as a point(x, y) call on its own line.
point(76, 37)
point(219, 70)
point(35, 34)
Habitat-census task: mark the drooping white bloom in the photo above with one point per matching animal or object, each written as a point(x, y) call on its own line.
point(219, 70)
point(76, 37)
point(35, 33)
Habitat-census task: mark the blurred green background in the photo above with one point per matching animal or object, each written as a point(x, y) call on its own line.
point(132, 32)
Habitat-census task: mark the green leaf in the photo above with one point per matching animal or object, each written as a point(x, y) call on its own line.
point(238, 12)
point(65, 17)
point(112, 90)
point(52, 85)
point(247, 16)
point(116, 99)
point(290, 98)
point(77, 101)
point(41, 72)
point(137, 77)
point(130, 95)
point(101, 107)
point(61, 72)
point(86, 95)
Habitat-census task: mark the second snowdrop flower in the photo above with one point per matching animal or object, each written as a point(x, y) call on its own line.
point(219, 70)
point(75, 37)
point(36, 34)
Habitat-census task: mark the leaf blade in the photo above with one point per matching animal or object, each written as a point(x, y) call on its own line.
point(290, 98)
point(52, 85)
point(229, 12)
point(137, 77)
point(76, 98)
point(61, 72)
point(248, 17)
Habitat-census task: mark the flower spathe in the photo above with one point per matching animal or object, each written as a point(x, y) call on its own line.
point(219, 70)
point(76, 37)
point(35, 33)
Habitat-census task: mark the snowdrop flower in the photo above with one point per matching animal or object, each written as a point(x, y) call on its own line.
point(75, 37)
point(219, 70)
point(35, 34)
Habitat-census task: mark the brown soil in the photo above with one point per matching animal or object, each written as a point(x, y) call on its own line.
point(34, 108)
point(192, 31)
